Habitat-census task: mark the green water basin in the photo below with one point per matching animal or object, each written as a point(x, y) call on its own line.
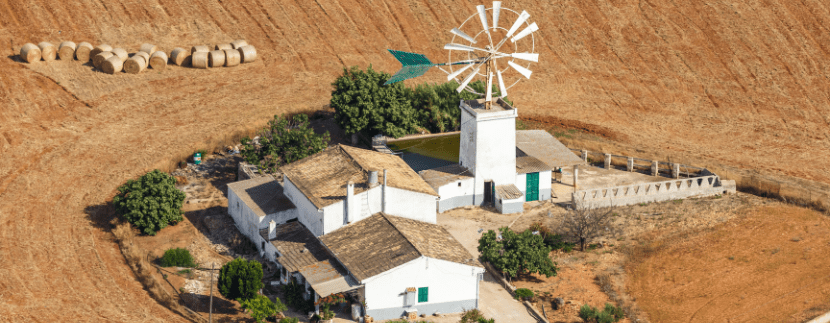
point(440, 147)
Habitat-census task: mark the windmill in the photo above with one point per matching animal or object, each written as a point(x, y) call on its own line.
point(471, 53)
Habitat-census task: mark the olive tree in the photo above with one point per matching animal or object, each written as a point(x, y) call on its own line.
point(584, 223)
point(150, 203)
point(517, 253)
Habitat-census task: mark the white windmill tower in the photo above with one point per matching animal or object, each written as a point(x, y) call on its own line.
point(488, 125)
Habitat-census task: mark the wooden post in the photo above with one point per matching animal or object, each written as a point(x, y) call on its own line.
point(487, 103)
point(210, 310)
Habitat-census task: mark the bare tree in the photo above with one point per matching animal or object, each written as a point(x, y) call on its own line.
point(585, 223)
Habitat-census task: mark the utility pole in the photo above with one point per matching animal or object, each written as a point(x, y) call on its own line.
point(210, 310)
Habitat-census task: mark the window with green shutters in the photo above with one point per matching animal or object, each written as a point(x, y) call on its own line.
point(423, 294)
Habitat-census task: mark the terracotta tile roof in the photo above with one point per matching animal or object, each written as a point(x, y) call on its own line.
point(508, 192)
point(326, 278)
point(263, 195)
point(298, 247)
point(543, 146)
point(529, 164)
point(323, 176)
point(382, 242)
point(444, 175)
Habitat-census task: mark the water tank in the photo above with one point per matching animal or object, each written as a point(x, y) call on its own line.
point(373, 178)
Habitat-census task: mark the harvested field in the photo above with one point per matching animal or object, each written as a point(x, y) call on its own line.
point(742, 83)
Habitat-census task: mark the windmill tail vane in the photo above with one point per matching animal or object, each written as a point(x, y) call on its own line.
point(414, 65)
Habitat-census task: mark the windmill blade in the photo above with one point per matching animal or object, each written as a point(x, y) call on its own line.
point(527, 31)
point(408, 72)
point(526, 56)
point(524, 16)
point(452, 46)
point(482, 15)
point(468, 79)
point(461, 34)
point(496, 12)
point(458, 72)
point(525, 72)
point(502, 89)
point(410, 59)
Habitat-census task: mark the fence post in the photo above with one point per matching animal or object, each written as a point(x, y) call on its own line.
point(630, 165)
point(655, 168)
point(607, 161)
point(675, 170)
point(584, 155)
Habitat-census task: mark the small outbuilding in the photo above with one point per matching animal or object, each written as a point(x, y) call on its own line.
point(255, 202)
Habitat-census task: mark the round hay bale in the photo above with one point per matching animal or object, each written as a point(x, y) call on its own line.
point(239, 43)
point(198, 49)
point(216, 58)
point(223, 46)
point(100, 58)
point(135, 65)
point(232, 57)
point(82, 52)
point(47, 51)
point(99, 49)
point(180, 56)
point(158, 61)
point(248, 53)
point(121, 53)
point(199, 60)
point(30, 53)
point(66, 50)
point(113, 65)
point(149, 48)
point(143, 55)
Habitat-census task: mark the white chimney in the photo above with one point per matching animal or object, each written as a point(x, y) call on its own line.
point(272, 230)
point(373, 178)
point(383, 194)
point(350, 203)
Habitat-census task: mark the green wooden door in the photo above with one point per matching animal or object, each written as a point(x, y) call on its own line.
point(532, 193)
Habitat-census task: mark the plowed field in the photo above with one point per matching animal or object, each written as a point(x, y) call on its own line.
point(743, 82)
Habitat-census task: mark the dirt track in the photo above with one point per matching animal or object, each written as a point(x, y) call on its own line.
point(743, 82)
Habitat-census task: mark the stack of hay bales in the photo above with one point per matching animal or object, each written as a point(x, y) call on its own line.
point(137, 63)
point(66, 50)
point(180, 56)
point(100, 58)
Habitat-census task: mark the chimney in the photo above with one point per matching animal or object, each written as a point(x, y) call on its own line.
point(383, 193)
point(373, 178)
point(272, 230)
point(350, 202)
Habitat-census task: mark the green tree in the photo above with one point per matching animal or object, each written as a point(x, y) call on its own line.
point(262, 307)
point(362, 104)
point(283, 141)
point(177, 257)
point(151, 202)
point(240, 279)
point(517, 253)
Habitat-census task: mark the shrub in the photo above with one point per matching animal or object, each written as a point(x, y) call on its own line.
point(290, 320)
point(471, 316)
point(283, 141)
point(177, 257)
point(293, 293)
point(516, 253)
point(262, 307)
point(325, 312)
point(587, 313)
point(484, 320)
point(151, 202)
point(524, 293)
point(617, 312)
point(609, 314)
point(240, 279)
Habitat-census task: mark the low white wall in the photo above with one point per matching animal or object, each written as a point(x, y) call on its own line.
point(412, 205)
point(448, 282)
point(653, 192)
point(454, 195)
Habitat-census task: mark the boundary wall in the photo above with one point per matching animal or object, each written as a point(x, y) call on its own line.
point(653, 192)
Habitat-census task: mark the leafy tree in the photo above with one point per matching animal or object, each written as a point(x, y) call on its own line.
point(262, 307)
point(283, 141)
point(517, 253)
point(177, 257)
point(363, 104)
point(151, 202)
point(584, 223)
point(240, 279)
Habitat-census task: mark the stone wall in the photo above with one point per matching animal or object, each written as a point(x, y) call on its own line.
point(654, 192)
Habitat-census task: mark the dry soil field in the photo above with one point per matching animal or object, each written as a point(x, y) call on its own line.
point(743, 82)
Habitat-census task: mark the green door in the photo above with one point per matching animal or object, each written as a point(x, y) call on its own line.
point(532, 193)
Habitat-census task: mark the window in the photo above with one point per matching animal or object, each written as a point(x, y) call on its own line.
point(459, 184)
point(410, 297)
point(423, 294)
point(263, 246)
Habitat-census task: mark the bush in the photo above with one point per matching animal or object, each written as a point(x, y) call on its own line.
point(471, 316)
point(484, 320)
point(290, 320)
point(282, 142)
point(609, 314)
point(262, 307)
point(516, 253)
point(151, 202)
point(240, 279)
point(524, 293)
point(178, 257)
point(552, 240)
point(293, 293)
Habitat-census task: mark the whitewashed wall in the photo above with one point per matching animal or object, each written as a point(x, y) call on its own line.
point(412, 205)
point(450, 285)
point(308, 214)
point(454, 195)
point(544, 184)
point(248, 222)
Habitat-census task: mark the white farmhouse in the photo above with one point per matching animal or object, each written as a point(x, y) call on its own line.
point(497, 164)
point(255, 202)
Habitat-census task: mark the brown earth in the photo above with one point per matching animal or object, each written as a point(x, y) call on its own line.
point(767, 265)
point(741, 82)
